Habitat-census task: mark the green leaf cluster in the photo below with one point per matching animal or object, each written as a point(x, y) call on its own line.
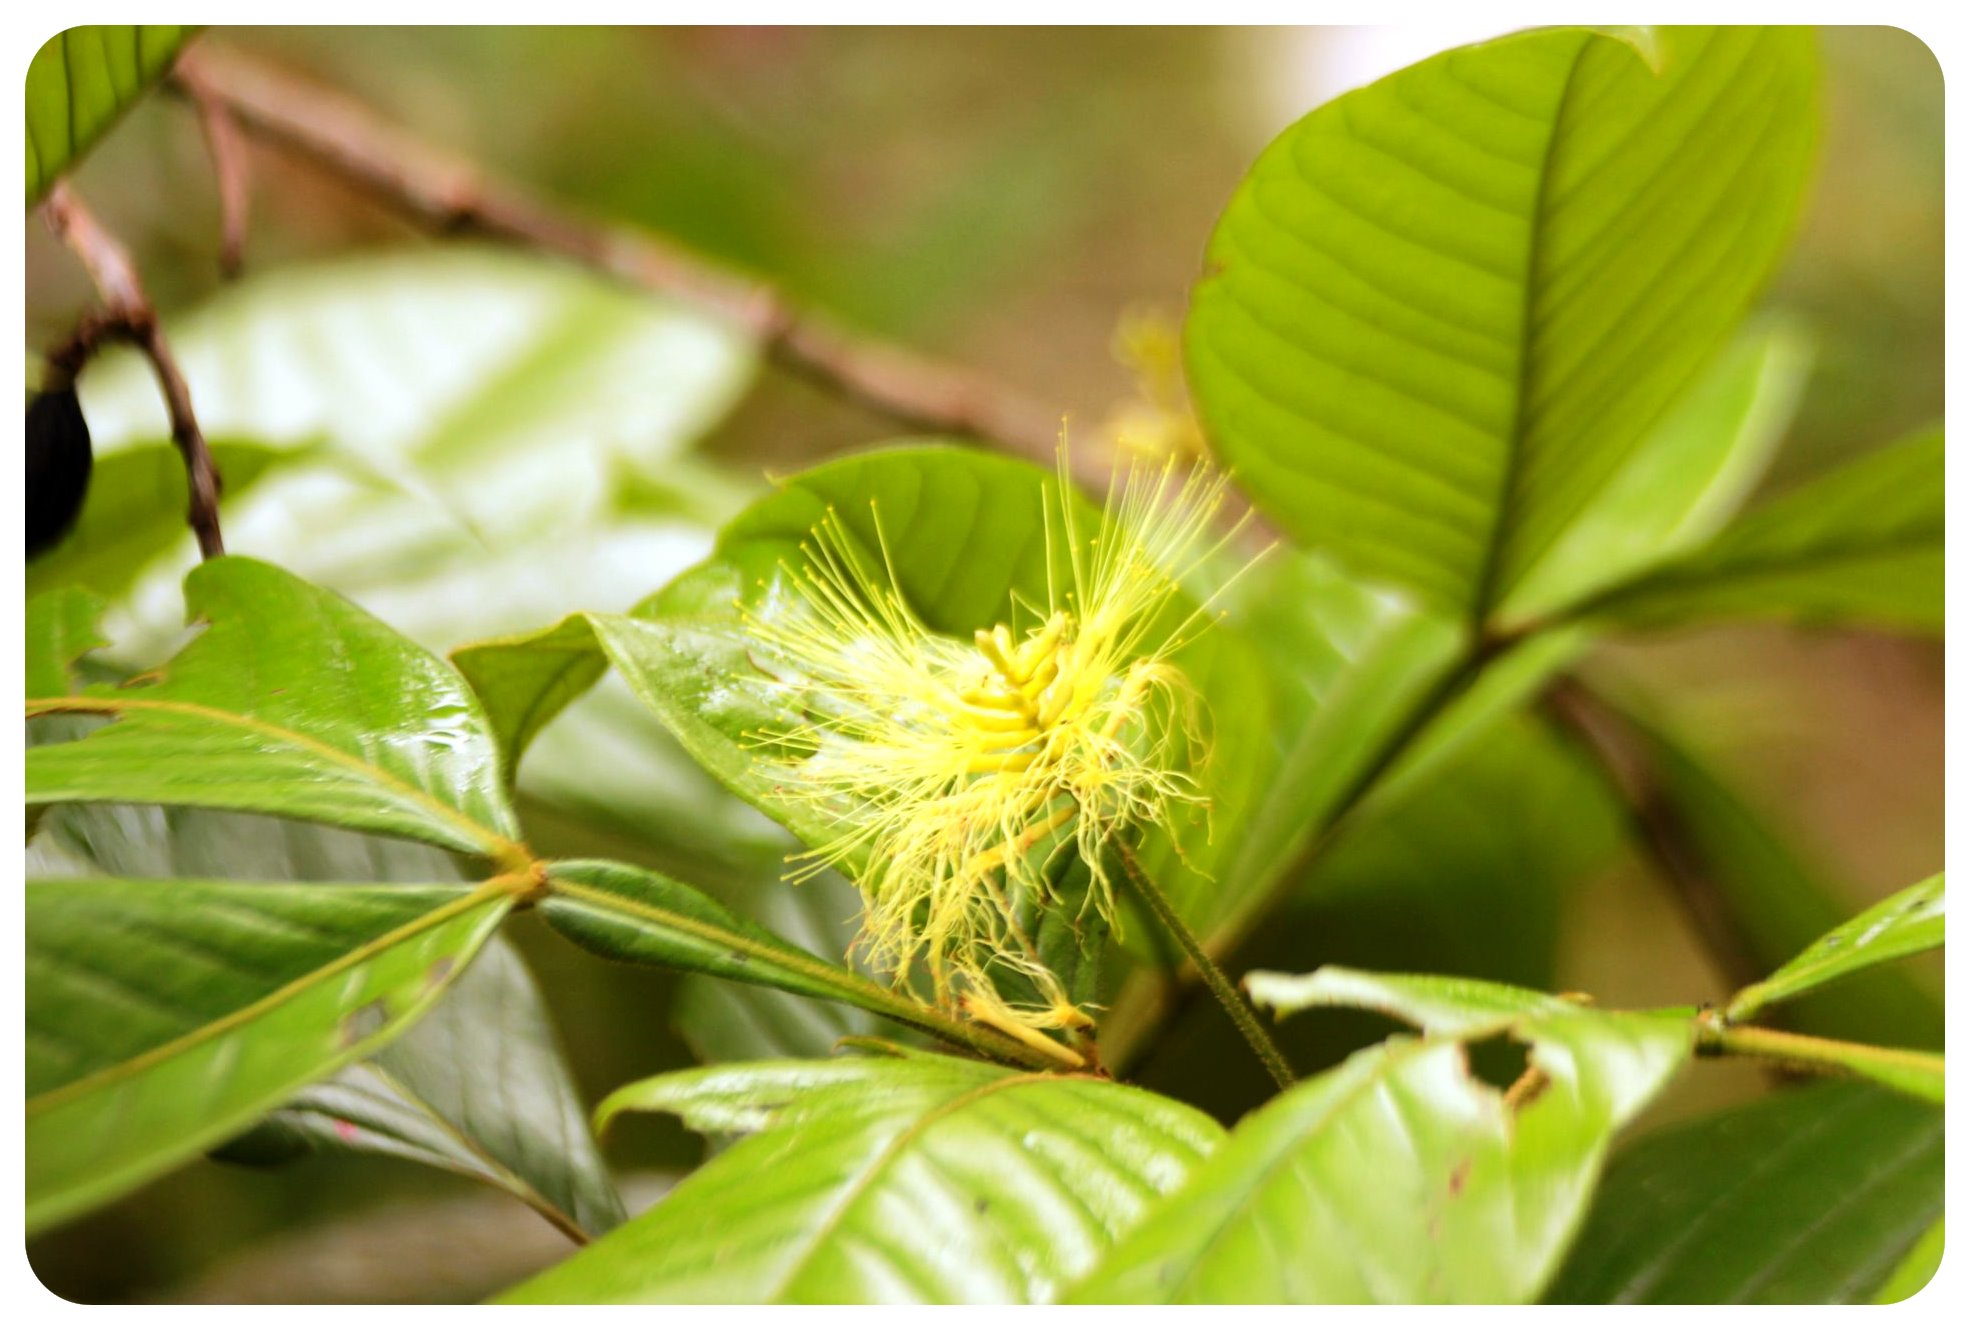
point(1474, 338)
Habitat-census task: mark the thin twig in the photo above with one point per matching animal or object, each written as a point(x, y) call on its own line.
point(127, 315)
point(1607, 736)
point(230, 168)
point(1233, 1002)
point(340, 135)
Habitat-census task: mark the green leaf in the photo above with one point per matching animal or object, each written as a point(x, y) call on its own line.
point(1861, 544)
point(477, 1087)
point(1397, 1176)
point(163, 1016)
point(80, 82)
point(292, 702)
point(1907, 922)
point(1917, 1268)
point(1779, 902)
point(1350, 664)
point(727, 1021)
point(484, 431)
point(1470, 872)
point(135, 513)
point(923, 1179)
point(526, 680)
point(1806, 1196)
point(61, 629)
point(643, 918)
point(1442, 310)
point(1684, 481)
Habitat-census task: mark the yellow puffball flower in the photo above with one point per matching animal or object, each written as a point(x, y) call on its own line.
point(956, 772)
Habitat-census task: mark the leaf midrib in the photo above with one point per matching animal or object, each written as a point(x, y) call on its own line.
point(491, 843)
point(1485, 591)
point(866, 1178)
point(492, 888)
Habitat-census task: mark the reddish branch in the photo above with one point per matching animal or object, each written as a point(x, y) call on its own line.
point(229, 166)
point(127, 315)
point(449, 196)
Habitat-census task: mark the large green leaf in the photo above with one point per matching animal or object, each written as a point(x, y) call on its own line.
point(921, 1179)
point(80, 81)
point(1809, 1195)
point(1398, 1176)
point(292, 702)
point(1684, 481)
point(477, 1087)
point(1907, 922)
point(1442, 310)
point(1861, 544)
point(488, 435)
point(163, 1016)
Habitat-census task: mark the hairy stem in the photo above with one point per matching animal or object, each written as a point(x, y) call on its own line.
point(1234, 1003)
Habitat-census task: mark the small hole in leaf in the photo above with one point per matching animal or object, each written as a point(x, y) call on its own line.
point(1498, 1061)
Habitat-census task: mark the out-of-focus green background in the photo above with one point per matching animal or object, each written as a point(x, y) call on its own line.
point(1002, 197)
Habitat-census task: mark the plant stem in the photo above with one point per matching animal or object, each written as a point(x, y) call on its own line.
point(1234, 1003)
point(128, 315)
point(341, 136)
point(1909, 1069)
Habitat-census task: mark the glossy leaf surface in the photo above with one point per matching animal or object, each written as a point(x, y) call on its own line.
point(163, 1016)
point(643, 918)
point(477, 1087)
point(920, 1179)
point(1808, 1195)
point(1397, 1176)
point(293, 702)
point(1441, 310)
point(1907, 922)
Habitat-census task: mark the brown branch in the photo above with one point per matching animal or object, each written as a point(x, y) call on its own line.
point(1607, 736)
point(127, 315)
point(230, 168)
point(443, 194)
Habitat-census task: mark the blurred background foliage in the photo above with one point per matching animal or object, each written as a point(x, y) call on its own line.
point(1004, 198)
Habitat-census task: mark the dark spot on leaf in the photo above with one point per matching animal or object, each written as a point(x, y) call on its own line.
point(364, 1022)
point(1459, 1176)
point(440, 971)
point(981, 1205)
point(738, 957)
